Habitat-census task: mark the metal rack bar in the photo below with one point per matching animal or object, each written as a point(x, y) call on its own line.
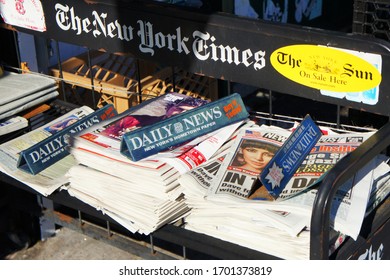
point(339, 174)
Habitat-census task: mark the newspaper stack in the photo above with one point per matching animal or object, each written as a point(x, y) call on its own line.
point(141, 195)
point(19, 92)
point(139, 207)
point(236, 211)
point(52, 178)
point(249, 225)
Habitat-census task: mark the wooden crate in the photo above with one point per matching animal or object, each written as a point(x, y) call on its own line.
point(113, 77)
point(125, 82)
point(169, 80)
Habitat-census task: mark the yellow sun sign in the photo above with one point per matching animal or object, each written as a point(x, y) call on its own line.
point(325, 68)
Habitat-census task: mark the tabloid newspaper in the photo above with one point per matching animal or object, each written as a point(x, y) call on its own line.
point(195, 187)
point(250, 152)
point(169, 133)
point(55, 147)
point(105, 139)
point(201, 153)
point(238, 179)
point(54, 176)
point(235, 183)
point(197, 181)
point(352, 201)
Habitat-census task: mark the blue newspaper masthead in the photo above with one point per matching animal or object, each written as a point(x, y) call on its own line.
point(290, 156)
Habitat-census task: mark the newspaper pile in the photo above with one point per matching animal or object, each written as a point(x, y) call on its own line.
point(139, 207)
point(19, 92)
point(143, 195)
point(228, 202)
point(52, 178)
point(211, 182)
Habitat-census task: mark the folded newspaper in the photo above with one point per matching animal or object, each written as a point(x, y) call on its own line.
point(105, 139)
point(12, 124)
point(19, 92)
point(45, 153)
point(112, 185)
point(139, 208)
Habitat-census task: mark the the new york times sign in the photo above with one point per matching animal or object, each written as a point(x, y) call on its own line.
point(151, 37)
point(203, 45)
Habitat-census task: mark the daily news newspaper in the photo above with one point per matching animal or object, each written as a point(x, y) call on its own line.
point(105, 138)
point(206, 149)
point(53, 177)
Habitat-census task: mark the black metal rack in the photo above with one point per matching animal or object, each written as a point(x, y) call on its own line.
point(245, 34)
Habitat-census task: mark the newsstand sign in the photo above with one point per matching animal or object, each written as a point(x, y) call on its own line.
point(203, 45)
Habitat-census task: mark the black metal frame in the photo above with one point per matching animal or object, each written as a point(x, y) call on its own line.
point(339, 174)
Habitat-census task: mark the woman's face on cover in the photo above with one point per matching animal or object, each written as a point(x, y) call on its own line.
point(257, 158)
